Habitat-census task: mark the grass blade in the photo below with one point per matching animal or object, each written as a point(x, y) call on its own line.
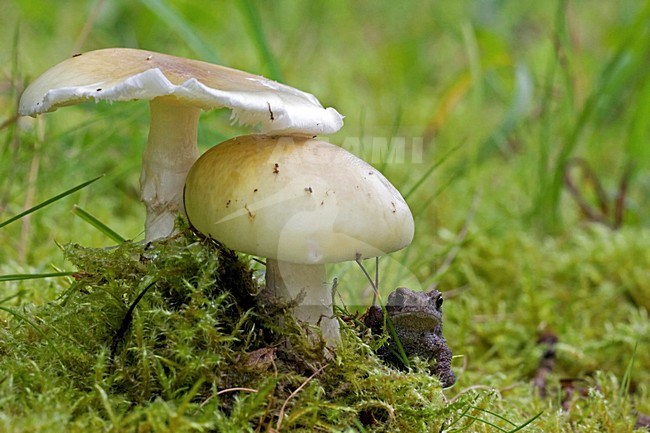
point(526, 423)
point(613, 80)
point(180, 26)
point(21, 277)
point(519, 108)
point(627, 377)
point(431, 169)
point(546, 120)
point(392, 140)
point(10, 297)
point(49, 201)
point(252, 16)
point(494, 414)
point(516, 429)
point(458, 174)
point(486, 422)
point(93, 221)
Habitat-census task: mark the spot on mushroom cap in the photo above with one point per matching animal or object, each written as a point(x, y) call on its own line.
point(295, 199)
point(123, 74)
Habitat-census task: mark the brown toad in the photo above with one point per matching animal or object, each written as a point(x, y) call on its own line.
point(417, 320)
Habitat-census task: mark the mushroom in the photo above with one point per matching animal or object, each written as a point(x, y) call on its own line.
point(301, 203)
point(177, 89)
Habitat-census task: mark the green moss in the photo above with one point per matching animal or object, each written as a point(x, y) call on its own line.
point(198, 352)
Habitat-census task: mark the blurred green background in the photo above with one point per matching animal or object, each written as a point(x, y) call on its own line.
point(498, 96)
point(498, 93)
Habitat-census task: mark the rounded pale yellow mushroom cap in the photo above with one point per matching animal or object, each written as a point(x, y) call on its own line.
point(295, 199)
point(122, 74)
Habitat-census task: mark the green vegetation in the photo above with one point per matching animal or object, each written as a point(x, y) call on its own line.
point(474, 110)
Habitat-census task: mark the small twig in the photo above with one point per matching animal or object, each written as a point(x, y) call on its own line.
point(293, 394)
point(598, 214)
point(225, 391)
point(602, 212)
point(621, 195)
point(546, 363)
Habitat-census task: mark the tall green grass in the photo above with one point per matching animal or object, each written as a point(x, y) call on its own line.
point(617, 94)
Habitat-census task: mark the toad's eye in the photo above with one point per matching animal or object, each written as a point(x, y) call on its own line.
point(439, 302)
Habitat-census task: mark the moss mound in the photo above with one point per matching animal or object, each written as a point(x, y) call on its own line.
point(173, 337)
point(169, 336)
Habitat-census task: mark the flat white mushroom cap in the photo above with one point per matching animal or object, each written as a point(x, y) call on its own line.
point(123, 74)
point(295, 199)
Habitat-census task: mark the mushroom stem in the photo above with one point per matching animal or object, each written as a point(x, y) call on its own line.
point(170, 152)
point(309, 284)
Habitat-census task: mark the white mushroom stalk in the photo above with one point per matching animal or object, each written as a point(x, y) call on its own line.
point(307, 283)
point(301, 203)
point(178, 89)
point(170, 152)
